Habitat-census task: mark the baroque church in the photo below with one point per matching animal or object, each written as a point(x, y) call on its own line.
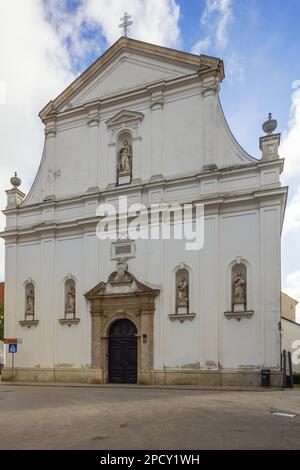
point(145, 122)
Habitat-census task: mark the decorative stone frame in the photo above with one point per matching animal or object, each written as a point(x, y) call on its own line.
point(131, 300)
point(130, 122)
point(29, 322)
point(182, 316)
point(248, 312)
point(65, 320)
point(123, 135)
point(121, 244)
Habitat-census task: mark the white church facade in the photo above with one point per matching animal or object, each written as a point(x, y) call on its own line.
point(145, 122)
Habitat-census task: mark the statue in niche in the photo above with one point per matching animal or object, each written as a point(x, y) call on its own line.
point(239, 289)
point(125, 157)
point(30, 302)
point(182, 293)
point(70, 305)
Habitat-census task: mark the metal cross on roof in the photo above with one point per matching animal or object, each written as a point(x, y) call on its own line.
point(125, 23)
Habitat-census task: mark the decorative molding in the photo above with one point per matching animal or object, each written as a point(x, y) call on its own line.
point(14, 198)
point(182, 316)
point(239, 315)
point(268, 145)
point(93, 114)
point(210, 85)
point(29, 323)
point(156, 95)
point(124, 117)
point(69, 321)
point(50, 128)
point(122, 296)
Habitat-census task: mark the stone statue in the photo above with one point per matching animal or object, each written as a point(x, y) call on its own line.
point(182, 293)
point(122, 267)
point(70, 305)
point(239, 289)
point(30, 302)
point(125, 156)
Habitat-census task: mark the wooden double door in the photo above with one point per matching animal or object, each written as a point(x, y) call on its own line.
point(122, 352)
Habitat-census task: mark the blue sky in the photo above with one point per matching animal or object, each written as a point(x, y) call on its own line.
point(258, 40)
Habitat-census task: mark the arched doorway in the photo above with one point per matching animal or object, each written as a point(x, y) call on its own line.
point(122, 352)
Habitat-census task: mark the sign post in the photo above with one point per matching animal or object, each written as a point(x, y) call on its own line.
point(12, 349)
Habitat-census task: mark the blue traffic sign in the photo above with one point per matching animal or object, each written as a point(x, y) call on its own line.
point(12, 348)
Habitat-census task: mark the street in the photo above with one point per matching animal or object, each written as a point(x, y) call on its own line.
point(47, 417)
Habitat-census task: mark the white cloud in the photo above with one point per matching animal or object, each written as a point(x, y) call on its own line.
point(34, 68)
point(223, 12)
point(215, 20)
point(290, 151)
point(73, 30)
point(201, 46)
point(155, 21)
point(292, 214)
point(38, 43)
point(290, 146)
point(234, 67)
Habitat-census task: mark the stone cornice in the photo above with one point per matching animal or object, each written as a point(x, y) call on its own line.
point(164, 182)
point(45, 230)
point(123, 97)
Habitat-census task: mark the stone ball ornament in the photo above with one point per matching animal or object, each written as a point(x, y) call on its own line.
point(270, 125)
point(15, 180)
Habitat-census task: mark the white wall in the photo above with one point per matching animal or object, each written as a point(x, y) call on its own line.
point(210, 340)
point(179, 134)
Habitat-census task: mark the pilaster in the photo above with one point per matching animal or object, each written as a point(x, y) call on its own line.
point(93, 119)
point(210, 87)
point(156, 106)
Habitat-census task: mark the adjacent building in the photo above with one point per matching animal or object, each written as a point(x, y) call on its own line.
point(290, 329)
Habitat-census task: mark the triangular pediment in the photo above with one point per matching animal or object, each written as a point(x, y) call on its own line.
point(96, 291)
point(120, 284)
point(127, 65)
point(124, 116)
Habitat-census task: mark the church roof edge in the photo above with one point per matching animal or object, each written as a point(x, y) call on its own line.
point(185, 58)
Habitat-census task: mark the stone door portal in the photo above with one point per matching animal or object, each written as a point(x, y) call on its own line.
point(122, 352)
point(122, 312)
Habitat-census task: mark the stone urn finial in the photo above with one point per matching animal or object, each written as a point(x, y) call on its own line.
point(270, 125)
point(15, 181)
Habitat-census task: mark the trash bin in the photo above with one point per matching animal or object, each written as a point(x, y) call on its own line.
point(265, 377)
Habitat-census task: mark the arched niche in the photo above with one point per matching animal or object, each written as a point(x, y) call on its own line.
point(239, 287)
point(124, 157)
point(70, 299)
point(29, 300)
point(182, 290)
point(181, 293)
point(239, 290)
